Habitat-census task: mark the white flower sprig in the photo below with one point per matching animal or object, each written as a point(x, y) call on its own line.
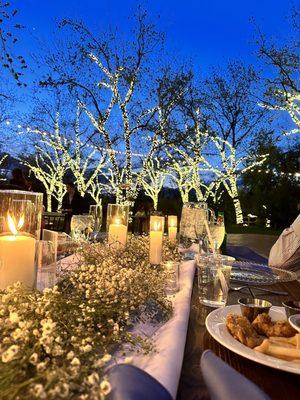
point(57, 344)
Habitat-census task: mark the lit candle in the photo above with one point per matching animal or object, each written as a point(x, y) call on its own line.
point(17, 254)
point(156, 239)
point(117, 233)
point(172, 227)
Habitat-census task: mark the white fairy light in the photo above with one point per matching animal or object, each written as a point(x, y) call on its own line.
point(153, 180)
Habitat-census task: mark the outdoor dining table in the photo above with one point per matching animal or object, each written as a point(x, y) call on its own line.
point(277, 384)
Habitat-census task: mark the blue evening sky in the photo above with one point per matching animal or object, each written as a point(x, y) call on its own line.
point(203, 32)
point(207, 31)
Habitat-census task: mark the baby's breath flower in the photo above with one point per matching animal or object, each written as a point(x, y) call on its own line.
point(75, 362)
point(38, 391)
point(33, 358)
point(14, 317)
point(10, 354)
point(105, 387)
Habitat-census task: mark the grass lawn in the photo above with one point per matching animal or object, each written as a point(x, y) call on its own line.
point(252, 229)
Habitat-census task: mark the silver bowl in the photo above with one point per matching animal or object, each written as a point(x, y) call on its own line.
point(291, 307)
point(251, 308)
point(294, 321)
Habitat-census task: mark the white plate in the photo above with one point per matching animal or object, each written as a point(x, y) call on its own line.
point(215, 324)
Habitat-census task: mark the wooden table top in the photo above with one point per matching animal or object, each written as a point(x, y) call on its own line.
point(277, 384)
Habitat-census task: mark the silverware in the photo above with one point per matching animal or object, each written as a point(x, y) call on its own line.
point(238, 288)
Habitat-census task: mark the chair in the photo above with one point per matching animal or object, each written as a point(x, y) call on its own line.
point(131, 383)
point(225, 383)
point(54, 221)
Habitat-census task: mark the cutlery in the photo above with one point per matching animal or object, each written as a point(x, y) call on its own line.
point(238, 288)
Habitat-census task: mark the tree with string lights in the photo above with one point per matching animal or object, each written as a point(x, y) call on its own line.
point(153, 181)
point(50, 163)
point(126, 104)
point(234, 119)
point(232, 167)
point(283, 89)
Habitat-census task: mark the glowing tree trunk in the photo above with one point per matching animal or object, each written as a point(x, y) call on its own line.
point(182, 175)
point(232, 168)
point(290, 103)
point(153, 180)
point(51, 164)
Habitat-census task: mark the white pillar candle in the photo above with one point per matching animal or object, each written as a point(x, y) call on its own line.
point(17, 255)
point(156, 239)
point(172, 227)
point(117, 233)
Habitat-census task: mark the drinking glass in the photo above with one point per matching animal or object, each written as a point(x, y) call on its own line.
point(171, 273)
point(81, 226)
point(96, 213)
point(218, 234)
point(213, 279)
point(47, 257)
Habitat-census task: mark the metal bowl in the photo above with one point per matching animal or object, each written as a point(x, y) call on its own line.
point(291, 307)
point(251, 308)
point(294, 320)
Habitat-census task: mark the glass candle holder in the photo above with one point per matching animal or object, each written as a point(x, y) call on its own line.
point(117, 225)
point(156, 238)
point(20, 229)
point(171, 273)
point(172, 227)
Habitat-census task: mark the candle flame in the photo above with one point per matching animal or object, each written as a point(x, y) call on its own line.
point(12, 226)
point(156, 226)
point(117, 221)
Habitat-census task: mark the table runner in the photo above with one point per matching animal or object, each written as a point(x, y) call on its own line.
point(166, 362)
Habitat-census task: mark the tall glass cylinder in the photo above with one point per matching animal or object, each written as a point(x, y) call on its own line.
point(20, 229)
point(156, 239)
point(117, 225)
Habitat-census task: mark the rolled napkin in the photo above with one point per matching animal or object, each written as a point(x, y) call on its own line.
point(131, 383)
point(225, 383)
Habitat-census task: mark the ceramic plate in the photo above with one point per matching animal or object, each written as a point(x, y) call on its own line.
point(215, 324)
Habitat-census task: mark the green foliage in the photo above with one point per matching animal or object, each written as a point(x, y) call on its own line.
point(273, 191)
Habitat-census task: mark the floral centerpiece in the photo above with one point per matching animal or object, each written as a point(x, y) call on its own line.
point(58, 344)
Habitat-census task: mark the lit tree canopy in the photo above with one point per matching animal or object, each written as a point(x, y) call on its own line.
point(153, 180)
point(125, 101)
point(51, 164)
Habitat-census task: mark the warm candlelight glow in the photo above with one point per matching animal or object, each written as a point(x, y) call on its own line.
point(17, 255)
point(156, 239)
point(156, 226)
point(172, 227)
point(12, 226)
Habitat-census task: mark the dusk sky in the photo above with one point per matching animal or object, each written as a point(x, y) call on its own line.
point(208, 32)
point(204, 33)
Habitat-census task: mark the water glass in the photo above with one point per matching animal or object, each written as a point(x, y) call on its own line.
point(171, 273)
point(213, 279)
point(81, 226)
point(47, 257)
point(96, 213)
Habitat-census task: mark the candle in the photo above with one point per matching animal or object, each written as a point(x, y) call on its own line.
point(17, 254)
point(172, 227)
point(117, 233)
point(156, 239)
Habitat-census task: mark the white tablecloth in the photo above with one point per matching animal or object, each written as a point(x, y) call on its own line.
point(166, 362)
